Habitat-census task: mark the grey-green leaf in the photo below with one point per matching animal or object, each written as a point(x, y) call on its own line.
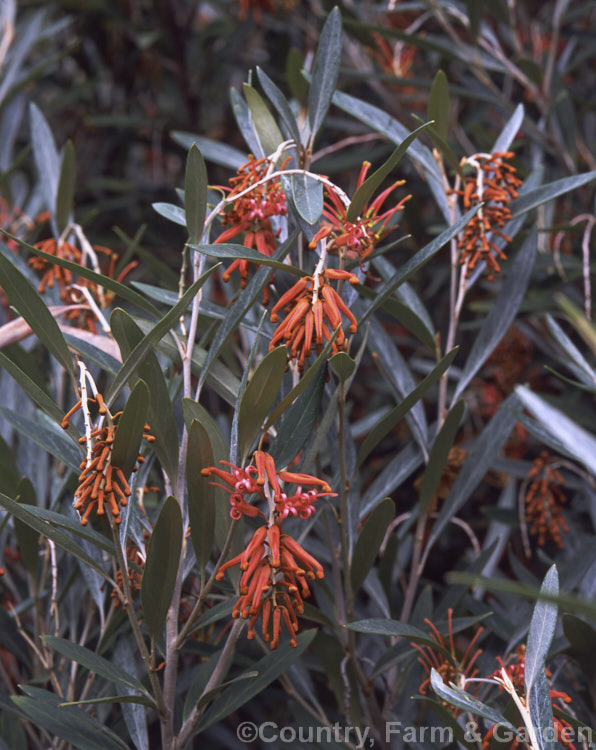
point(195, 193)
point(325, 71)
point(308, 197)
point(542, 630)
point(161, 566)
point(201, 494)
point(438, 104)
point(131, 424)
point(66, 188)
point(369, 541)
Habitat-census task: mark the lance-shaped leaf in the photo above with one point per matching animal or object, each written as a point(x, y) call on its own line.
point(438, 456)
point(161, 418)
point(214, 151)
point(45, 154)
point(385, 425)
point(280, 103)
point(325, 71)
point(308, 197)
point(201, 493)
point(66, 188)
point(233, 252)
point(131, 426)
point(37, 394)
point(22, 295)
point(393, 628)
point(262, 120)
point(369, 541)
point(542, 630)
point(94, 662)
point(548, 192)
point(259, 397)
point(502, 312)
point(27, 537)
point(171, 212)
point(342, 366)
point(511, 128)
point(438, 104)
point(195, 193)
point(368, 188)
point(161, 566)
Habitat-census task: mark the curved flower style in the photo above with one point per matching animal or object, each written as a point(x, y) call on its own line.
point(356, 238)
point(494, 184)
point(313, 310)
point(251, 213)
point(101, 483)
point(452, 668)
point(544, 501)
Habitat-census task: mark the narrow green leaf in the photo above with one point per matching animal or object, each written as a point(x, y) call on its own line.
point(131, 424)
point(74, 527)
point(232, 252)
point(369, 541)
point(50, 532)
point(512, 126)
point(299, 421)
point(301, 385)
point(342, 366)
point(36, 394)
point(417, 261)
point(68, 723)
point(457, 697)
point(502, 313)
point(296, 82)
point(22, 295)
point(93, 662)
point(474, 8)
point(114, 286)
point(45, 154)
point(308, 197)
point(548, 192)
point(574, 356)
point(161, 417)
point(27, 538)
point(141, 700)
point(214, 151)
point(438, 456)
point(201, 493)
point(539, 702)
point(576, 441)
point(195, 193)
point(269, 668)
point(479, 459)
point(259, 397)
point(145, 346)
point(280, 103)
point(398, 412)
point(542, 630)
point(393, 628)
point(438, 104)
point(443, 147)
point(161, 566)
point(171, 212)
point(263, 121)
point(66, 188)
point(365, 192)
point(325, 71)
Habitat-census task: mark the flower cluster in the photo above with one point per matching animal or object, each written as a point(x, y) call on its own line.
point(515, 671)
point(454, 667)
point(275, 568)
point(495, 185)
point(544, 501)
point(313, 310)
point(73, 290)
point(251, 213)
point(356, 239)
point(101, 483)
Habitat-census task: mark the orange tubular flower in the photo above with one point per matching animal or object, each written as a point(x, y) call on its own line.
point(494, 184)
point(452, 668)
point(313, 310)
point(358, 238)
point(273, 584)
point(544, 501)
point(101, 483)
point(251, 213)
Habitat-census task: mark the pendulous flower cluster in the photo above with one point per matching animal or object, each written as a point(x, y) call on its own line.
point(101, 483)
point(495, 185)
point(356, 239)
point(313, 310)
point(275, 568)
point(252, 212)
point(544, 501)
